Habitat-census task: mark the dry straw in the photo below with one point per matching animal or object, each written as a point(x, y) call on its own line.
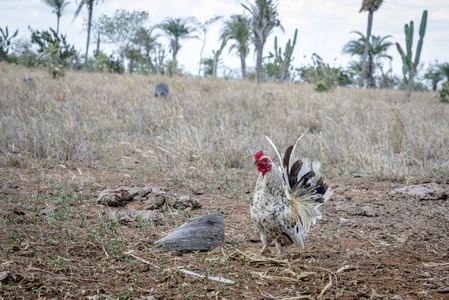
point(209, 129)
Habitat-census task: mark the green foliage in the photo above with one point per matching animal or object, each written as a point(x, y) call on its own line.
point(208, 66)
point(177, 29)
point(434, 74)
point(443, 94)
point(281, 65)
point(5, 42)
point(51, 56)
point(115, 65)
point(444, 68)
point(22, 54)
point(368, 5)
point(322, 75)
point(237, 29)
point(377, 53)
point(263, 18)
point(55, 51)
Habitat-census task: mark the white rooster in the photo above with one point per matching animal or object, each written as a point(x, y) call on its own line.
point(286, 203)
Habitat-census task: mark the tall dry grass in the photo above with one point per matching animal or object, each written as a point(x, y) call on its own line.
point(210, 129)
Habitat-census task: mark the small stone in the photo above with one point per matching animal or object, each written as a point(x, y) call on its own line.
point(185, 202)
point(365, 211)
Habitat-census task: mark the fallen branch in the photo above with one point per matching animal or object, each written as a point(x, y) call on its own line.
point(283, 278)
point(219, 279)
point(434, 264)
point(141, 259)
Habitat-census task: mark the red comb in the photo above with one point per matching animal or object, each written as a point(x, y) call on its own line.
point(259, 155)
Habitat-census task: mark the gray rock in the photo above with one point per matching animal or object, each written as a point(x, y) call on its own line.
point(203, 233)
point(426, 191)
point(365, 211)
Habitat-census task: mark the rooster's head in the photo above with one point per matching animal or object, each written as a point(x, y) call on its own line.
point(262, 162)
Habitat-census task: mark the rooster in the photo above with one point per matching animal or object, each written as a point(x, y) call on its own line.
point(286, 203)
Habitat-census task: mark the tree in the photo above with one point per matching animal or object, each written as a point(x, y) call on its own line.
point(263, 19)
point(122, 29)
point(208, 66)
point(409, 66)
point(236, 28)
point(370, 6)
point(324, 77)
point(54, 49)
point(217, 57)
point(434, 74)
point(58, 8)
point(90, 9)
point(177, 29)
point(204, 27)
point(5, 42)
point(377, 51)
point(146, 40)
point(444, 67)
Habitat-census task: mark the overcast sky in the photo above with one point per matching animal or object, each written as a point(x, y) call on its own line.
point(323, 26)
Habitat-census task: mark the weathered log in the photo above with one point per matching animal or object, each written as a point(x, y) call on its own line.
point(203, 233)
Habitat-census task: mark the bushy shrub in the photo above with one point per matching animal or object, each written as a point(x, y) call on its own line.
point(115, 65)
point(443, 95)
point(322, 75)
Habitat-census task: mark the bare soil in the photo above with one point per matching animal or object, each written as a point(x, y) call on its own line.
point(57, 242)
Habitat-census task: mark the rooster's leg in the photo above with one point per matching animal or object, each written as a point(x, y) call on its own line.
point(265, 243)
point(280, 249)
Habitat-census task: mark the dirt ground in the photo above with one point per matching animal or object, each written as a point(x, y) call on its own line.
point(57, 242)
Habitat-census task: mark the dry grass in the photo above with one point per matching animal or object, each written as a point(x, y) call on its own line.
point(209, 128)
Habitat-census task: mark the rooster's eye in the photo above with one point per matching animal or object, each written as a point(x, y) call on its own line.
point(265, 160)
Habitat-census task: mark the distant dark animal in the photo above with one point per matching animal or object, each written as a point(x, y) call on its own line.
point(29, 81)
point(161, 90)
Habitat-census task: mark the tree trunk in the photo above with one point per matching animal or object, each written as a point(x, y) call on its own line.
point(214, 67)
point(131, 66)
point(243, 64)
point(411, 77)
point(259, 59)
point(365, 51)
point(57, 25)
point(89, 26)
point(201, 54)
point(97, 53)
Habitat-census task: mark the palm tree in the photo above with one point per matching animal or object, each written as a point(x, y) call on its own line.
point(377, 51)
point(90, 8)
point(237, 29)
point(204, 27)
point(58, 8)
point(147, 42)
point(370, 6)
point(263, 18)
point(177, 29)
